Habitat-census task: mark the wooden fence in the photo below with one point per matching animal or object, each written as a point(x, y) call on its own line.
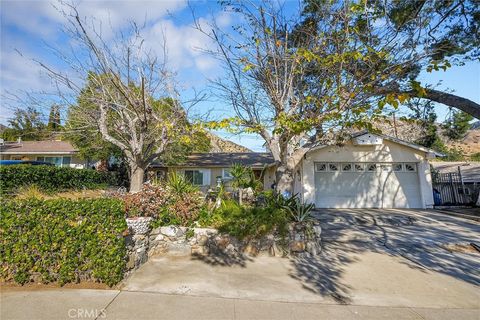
point(450, 190)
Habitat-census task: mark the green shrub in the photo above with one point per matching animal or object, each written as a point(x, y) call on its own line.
point(62, 240)
point(186, 208)
point(148, 202)
point(244, 177)
point(165, 218)
point(51, 178)
point(475, 156)
point(247, 222)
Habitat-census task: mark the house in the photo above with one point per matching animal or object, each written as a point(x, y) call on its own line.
point(368, 171)
point(61, 153)
point(205, 169)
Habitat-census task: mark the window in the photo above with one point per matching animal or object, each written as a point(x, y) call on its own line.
point(58, 161)
point(347, 167)
point(195, 177)
point(320, 167)
point(66, 161)
point(360, 167)
point(410, 167)
point(397, 167)
point(226, 175)
point(372, 167)
point(332, 167)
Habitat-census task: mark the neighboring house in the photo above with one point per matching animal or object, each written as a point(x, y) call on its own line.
point(469, 171)
point(369, 171)
point(61, 153)
point(457, 183)
point(204, 169)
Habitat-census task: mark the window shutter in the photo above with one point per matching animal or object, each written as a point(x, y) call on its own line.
point(206, 176)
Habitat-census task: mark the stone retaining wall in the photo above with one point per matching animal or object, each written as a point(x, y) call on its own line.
point(209, 242)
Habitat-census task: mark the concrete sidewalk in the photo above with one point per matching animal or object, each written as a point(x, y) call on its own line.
point(114, 304)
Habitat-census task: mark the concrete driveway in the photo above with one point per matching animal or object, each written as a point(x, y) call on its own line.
point(402, 254)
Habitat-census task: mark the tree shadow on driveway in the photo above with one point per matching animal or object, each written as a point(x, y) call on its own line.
point(223, 258)
point(322, 274)
point(419, 238)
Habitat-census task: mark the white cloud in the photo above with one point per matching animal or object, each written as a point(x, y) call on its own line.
point(44, 22)
point(42, 17)
point(185, 46)
point(18, 73)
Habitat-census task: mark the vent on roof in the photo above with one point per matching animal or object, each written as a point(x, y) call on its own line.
point(367, 140)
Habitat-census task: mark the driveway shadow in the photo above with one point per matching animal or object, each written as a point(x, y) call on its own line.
point(223, 258)
point(322, 274)
point(419, 237)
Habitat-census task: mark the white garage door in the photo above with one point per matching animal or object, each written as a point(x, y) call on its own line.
point(367, 185)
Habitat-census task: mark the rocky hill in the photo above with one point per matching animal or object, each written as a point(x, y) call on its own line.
point(221, 145)
point(470, 144)
point(410, 131)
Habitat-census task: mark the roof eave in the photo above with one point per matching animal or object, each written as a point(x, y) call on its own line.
point(393, 139)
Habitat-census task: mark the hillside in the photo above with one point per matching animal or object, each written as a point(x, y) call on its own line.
point(410, 132)
point(470, 144)
point(221, 145)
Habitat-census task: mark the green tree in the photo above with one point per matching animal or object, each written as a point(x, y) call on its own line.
point(54, 121)
point(457, 125)
point(25, 124)
point(423, 112)
point(406, 37)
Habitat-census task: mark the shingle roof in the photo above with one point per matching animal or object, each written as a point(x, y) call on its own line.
point(225, 159)
point(470, 170)
point(37, 147)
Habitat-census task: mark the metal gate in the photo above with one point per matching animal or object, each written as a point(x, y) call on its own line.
point(450, 190)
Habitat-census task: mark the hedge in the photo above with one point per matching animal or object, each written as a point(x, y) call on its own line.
point(62, 240)
point(51, 178)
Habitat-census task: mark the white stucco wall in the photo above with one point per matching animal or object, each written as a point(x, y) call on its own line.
point(388, 151)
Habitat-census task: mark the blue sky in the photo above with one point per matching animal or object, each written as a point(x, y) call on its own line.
point(27, 25)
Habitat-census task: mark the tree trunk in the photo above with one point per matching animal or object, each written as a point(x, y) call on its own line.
point(454, 101)
point(137, 174)
point(240, 196)
point(445, 98)
point(285, 180)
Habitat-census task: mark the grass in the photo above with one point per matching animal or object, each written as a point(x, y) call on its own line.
point(32, 191)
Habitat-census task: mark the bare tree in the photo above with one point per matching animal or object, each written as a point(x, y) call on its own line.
point(279, 91)
point(123, 91)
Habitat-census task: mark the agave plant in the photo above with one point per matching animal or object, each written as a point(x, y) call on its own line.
point(179, 184)
point(279, 201)
point(299, 211)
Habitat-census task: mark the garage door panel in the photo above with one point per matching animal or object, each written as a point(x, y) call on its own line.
point(379, 189)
